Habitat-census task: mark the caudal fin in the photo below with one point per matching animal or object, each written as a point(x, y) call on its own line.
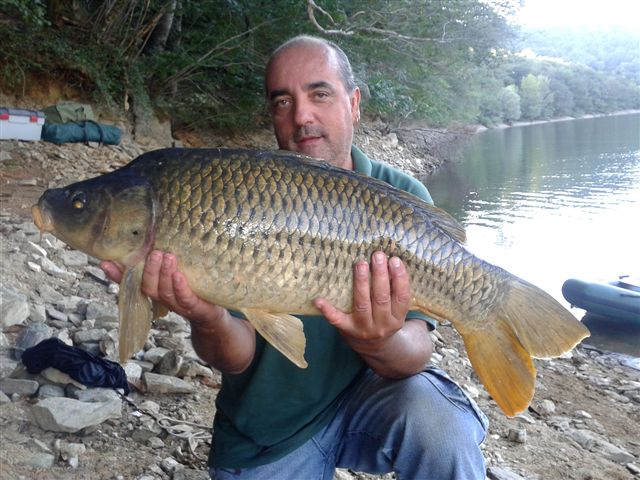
point(528, 324)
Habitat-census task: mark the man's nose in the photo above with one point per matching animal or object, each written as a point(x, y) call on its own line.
point(303, 112)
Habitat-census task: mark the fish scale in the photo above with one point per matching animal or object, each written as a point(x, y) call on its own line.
point(265, 233)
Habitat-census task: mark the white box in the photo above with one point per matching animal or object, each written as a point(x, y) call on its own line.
point(17, 124)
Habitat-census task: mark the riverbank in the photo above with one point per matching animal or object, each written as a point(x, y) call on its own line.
point(581, 425)
point(482, 128)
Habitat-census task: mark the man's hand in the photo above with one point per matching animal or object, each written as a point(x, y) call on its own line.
point(225, 342)
point(163, 283)
point(376, 328)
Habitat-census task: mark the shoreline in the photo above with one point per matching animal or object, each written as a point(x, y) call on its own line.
point(500, 126)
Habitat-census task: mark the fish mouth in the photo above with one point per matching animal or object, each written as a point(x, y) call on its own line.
point(41, 219)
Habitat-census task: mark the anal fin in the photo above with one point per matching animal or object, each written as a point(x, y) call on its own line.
point(135, 313)
point(284, 332)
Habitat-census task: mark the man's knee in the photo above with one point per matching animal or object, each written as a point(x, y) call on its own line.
point(436, 409)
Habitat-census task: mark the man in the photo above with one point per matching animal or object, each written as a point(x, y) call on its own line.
point(367, 401)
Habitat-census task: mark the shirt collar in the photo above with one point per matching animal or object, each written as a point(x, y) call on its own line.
point(361, 162)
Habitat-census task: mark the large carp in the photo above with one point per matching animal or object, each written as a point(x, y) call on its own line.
point(265, 233)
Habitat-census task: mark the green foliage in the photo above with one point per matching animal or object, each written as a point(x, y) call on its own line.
point(613, 50)
point(31, 12)
point(433, 60)
point(510, 104)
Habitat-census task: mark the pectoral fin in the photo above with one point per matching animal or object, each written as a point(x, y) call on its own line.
point(135, 313)
point(282, 331)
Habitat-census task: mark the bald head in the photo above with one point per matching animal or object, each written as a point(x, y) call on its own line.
point(313, 99)
point(338, 56)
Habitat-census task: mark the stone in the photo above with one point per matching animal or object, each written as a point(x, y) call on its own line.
point(191, 474)
point(133, 371)
point(57, 314)
point(155, 443)
point(19, 386)
point(192, 368)
point(91, 335)
point(613, 452)
point(30, 336)
point(544, 408)
point(170, 363)
point(37, 460)
point(48, 294)
point(37, 249)
point(517, 435)
point(97, 310)
point(14, 308)
point(74, 258)
point(59, 377)
point(169, 464)
point(69, 415)
point(37, 313)
point(96, 395)
point(7, 366)
point(499, 473)
point(48, 391)
point(156, 383)
point(56, 271)
point(154, 355)
point(70, 452)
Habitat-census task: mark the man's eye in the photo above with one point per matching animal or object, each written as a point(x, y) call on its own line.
point(281, 102)
point(321, 95)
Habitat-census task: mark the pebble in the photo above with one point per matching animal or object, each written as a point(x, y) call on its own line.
point(517, 435)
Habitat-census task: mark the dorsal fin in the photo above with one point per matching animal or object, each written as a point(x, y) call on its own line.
point(447, 223)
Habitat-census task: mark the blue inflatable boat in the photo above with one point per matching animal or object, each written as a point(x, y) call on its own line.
point(619, 299)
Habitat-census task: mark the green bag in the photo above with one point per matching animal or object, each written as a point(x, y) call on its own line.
point(81, 132)
point(64, 112)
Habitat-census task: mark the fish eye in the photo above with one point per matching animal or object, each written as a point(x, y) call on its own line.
point(78, 201)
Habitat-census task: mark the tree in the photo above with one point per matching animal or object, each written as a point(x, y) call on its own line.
point(510, 104)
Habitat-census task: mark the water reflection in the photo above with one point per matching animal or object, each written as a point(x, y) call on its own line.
point(552, 201)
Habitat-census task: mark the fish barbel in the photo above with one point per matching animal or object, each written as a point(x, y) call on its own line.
point(265, 233)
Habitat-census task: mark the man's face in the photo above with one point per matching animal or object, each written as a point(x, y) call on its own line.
point(311, 110)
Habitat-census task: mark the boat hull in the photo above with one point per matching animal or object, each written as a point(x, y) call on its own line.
point(611, 300)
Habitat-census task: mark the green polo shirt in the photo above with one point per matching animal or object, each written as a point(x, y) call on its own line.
point(274, 407)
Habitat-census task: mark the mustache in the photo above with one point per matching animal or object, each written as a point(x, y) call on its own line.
point(308, 131)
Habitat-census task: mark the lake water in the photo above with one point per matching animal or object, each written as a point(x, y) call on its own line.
point(552, 201)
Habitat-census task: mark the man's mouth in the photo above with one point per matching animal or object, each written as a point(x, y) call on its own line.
point(308, 135)
point(308, 140)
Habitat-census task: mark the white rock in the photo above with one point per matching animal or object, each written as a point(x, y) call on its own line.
point(14, 308)
point(69, 415)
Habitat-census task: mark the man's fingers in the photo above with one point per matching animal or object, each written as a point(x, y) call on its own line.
point(380, 289)
point(400, 288)
point(151, 274)
point(361, 292)
point(185, 297)
point(112, 271)
point(165, 280)
point(336, 317)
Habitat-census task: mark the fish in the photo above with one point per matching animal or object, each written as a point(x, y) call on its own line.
point(266, 232)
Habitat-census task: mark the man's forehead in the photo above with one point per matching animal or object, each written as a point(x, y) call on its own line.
point(323, 68)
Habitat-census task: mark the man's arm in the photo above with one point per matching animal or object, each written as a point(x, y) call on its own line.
point(392, 346)
point(225, 342)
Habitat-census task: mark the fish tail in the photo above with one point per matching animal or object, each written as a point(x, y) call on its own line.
point(528, 324)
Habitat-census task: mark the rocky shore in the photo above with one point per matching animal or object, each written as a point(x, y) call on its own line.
point(582, 425)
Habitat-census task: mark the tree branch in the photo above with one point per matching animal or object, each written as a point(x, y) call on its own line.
point(312, 7)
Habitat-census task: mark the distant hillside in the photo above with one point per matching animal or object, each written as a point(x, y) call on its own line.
point(613, 50)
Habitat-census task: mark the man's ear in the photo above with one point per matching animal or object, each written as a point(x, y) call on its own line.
point(355, 105)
